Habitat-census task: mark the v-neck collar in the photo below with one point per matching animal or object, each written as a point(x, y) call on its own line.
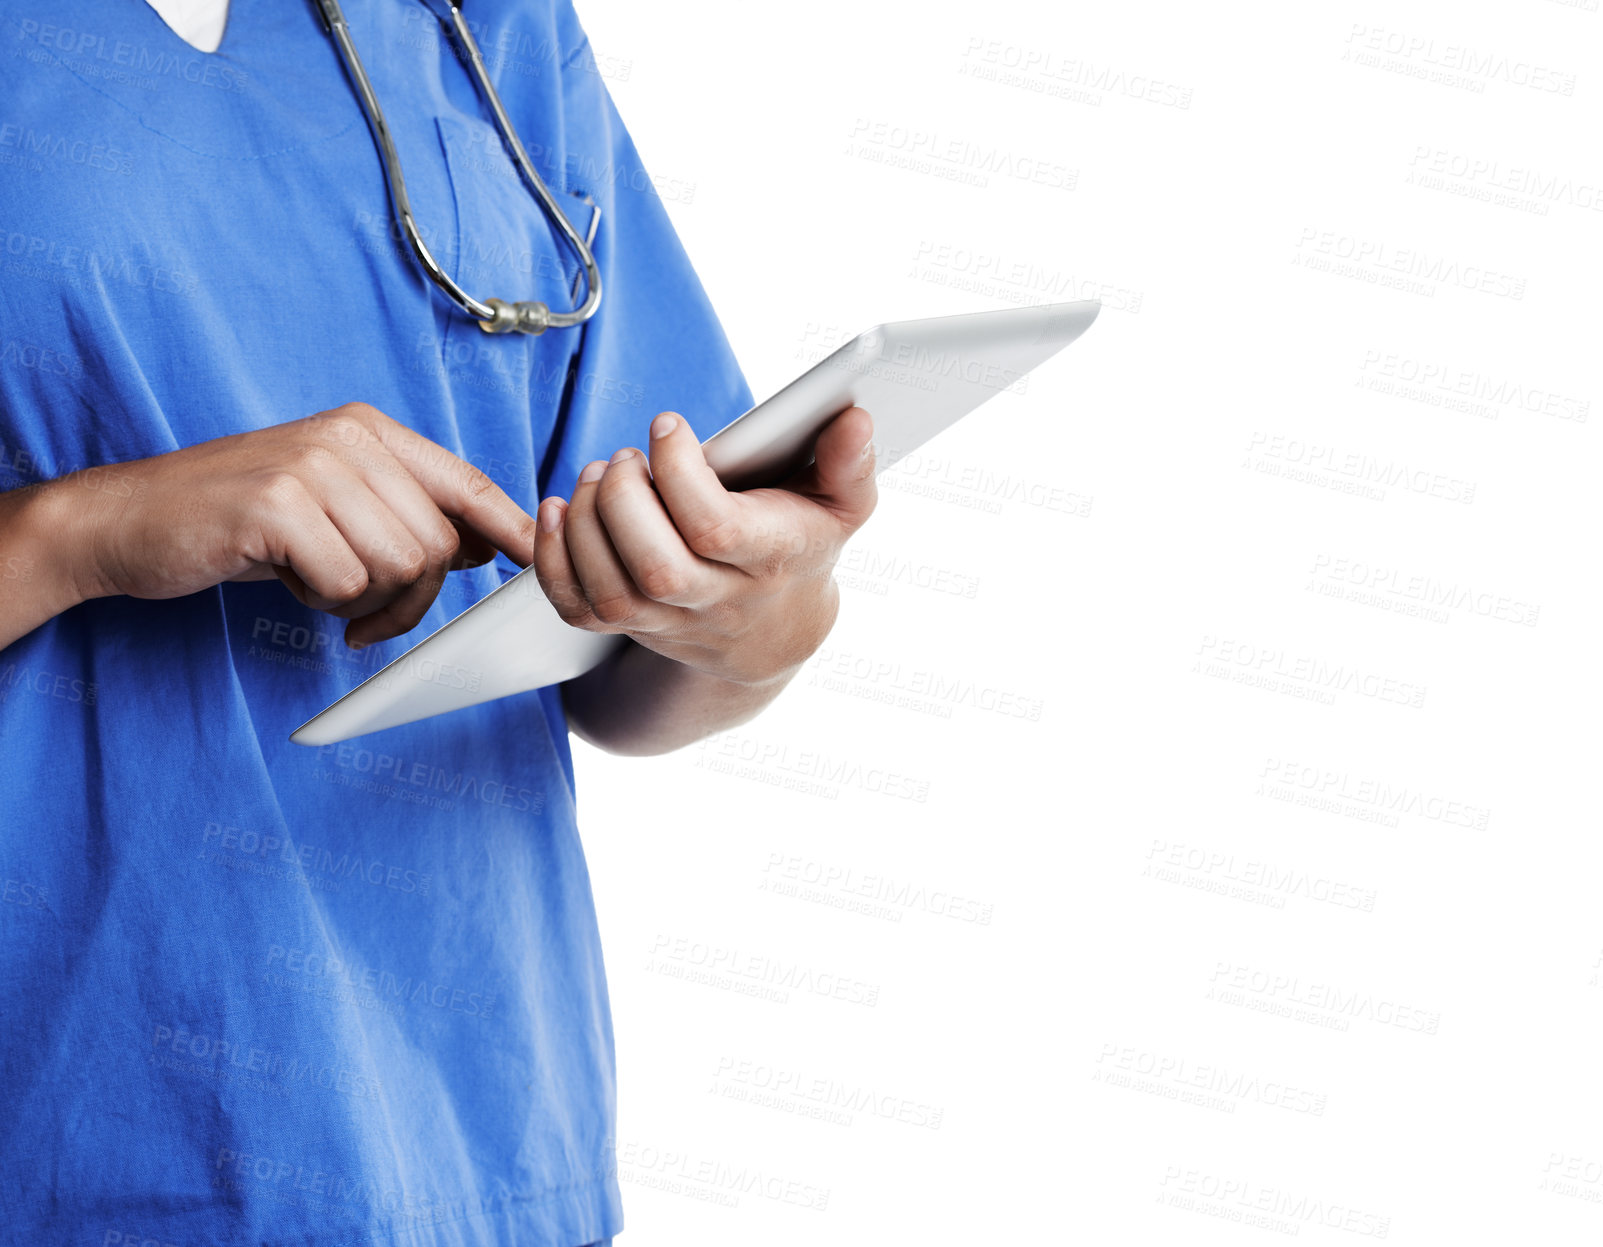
point(275, 83)
point(228, 23)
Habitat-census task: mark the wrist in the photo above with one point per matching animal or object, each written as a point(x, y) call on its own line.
point(56, 521)
point(762, 673)
point(785, 643)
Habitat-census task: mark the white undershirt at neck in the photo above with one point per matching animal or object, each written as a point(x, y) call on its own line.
point(198, 23)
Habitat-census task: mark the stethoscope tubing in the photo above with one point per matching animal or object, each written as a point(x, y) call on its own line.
point(493, 315)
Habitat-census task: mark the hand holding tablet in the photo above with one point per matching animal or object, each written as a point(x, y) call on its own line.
point(915, 378)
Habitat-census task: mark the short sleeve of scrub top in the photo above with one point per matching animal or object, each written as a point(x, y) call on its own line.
point(253, 993)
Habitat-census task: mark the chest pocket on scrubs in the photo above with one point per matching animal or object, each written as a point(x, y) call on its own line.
point(506, 248)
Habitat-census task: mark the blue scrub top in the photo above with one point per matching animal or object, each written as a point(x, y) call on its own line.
point(254, 993)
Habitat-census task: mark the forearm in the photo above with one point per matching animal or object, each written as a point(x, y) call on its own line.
point(638, 703)
point(38, 579)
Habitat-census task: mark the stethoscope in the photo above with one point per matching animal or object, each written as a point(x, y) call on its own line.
point(493, 315)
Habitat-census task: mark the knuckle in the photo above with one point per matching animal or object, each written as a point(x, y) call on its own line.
point(343, 427)
point(570, 615)
point(664, 581)
point(313, 457)
point(346, 430)
point(410, 564)
point(566, 598)
point(351, 586)
point(443, 544)
point(716, 537)
point(616, 609)
point(476, 484)
point(282, 490)
point(360, 413)
point(574, 611)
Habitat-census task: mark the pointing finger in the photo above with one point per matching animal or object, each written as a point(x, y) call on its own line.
point(458, 488)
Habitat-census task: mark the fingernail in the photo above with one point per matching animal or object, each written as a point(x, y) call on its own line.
point(592, 471)
point(664, 424)
point(356, 644)
point(550, 515)
point(618, 456)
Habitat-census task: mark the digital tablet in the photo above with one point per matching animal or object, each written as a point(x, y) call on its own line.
point(914, 377)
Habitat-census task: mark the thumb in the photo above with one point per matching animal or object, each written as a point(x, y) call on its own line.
point(841, 478)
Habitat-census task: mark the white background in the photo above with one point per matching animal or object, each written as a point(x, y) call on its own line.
point(1285, 907)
